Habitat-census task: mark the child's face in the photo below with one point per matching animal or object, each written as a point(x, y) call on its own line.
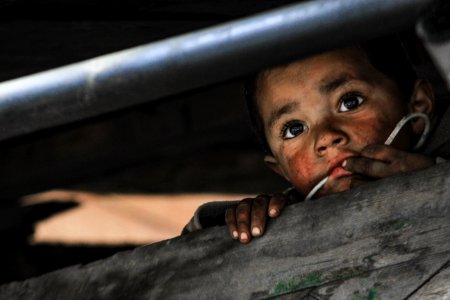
point(321, 110)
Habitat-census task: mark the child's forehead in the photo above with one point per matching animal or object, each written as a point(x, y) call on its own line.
point(320, 75)
point(349, 60)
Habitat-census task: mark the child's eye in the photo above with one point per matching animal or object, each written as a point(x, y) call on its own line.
point(292, 129)
point(350, 102)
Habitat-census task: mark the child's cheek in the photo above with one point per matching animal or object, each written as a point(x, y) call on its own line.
point(374, 129)
point(302, 171)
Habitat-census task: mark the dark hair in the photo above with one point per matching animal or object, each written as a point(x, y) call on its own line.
point(386, 54)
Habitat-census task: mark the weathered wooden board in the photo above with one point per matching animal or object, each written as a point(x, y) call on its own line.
point(437, 287)
point(385, 240)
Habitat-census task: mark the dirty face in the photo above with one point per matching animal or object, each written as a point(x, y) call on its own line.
point(321, 110)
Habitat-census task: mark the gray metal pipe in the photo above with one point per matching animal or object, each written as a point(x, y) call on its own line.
point(152, 71)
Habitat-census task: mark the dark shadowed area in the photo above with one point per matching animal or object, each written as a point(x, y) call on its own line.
point(198, 142)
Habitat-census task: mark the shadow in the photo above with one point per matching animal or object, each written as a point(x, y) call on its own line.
point(21, 260)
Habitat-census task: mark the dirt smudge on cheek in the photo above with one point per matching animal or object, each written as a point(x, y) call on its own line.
point(302, 170)
point(374, 130)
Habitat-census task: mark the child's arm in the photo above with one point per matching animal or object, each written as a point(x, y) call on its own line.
point(379, 161)
point(208, 215)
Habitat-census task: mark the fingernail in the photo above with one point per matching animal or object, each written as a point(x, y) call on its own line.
point(346, 165)
point(256, 231)
point(244, 236)
point(235, 234)
point(273, 212)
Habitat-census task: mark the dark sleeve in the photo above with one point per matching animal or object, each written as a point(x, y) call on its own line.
point(208, 215)
point(213, 213)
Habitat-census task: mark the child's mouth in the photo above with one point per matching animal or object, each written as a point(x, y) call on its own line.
point(339, 172)
point(336, 169)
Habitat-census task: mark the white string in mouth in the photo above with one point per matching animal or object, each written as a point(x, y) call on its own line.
point(388, 141)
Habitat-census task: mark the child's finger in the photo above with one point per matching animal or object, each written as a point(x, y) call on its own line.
point(230, 219)
point(259, 214)
point(243, 220)
point(381, 152)
point(276, 205)
point(367, 166)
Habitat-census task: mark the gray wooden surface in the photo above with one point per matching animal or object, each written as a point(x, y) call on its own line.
point(385, 240)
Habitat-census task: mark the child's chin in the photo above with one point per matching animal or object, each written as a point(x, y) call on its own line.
point(335, 185)
point(341, 184)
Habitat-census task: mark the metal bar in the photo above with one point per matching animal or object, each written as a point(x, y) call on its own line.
point(152, 71)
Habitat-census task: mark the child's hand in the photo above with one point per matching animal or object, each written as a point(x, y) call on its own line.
point(382, 161)
point(248, 217)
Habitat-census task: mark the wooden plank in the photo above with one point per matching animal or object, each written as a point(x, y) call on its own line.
point(437, 287)
point(382, 240)
point(384, 283)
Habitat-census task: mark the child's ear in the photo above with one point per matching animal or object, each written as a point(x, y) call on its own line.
point(422, 100)
point(273, 164)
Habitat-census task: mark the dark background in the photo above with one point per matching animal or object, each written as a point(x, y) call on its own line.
point(199, 141)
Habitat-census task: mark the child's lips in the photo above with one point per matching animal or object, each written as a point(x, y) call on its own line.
point(339, 172)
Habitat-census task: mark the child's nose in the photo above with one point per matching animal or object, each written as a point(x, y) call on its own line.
point(329, 140)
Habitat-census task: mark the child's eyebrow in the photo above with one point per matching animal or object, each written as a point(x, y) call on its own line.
point(331, 84)
point(278, 112)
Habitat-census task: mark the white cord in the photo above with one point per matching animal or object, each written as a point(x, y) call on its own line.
point(402, 123)
point(389, 140)
point(316, 188)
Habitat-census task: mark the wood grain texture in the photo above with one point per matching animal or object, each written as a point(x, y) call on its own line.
point(437, 287)
point(385, 240)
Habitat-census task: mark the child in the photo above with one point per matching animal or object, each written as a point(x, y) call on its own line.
point(328, 116)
